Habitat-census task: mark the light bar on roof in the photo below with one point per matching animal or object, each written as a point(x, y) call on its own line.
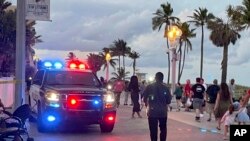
point(58, 65)
point(47, 64)
point(51, 64)
point(81, 66)
point(72, 65)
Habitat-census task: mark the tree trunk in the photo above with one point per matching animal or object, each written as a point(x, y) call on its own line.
point(168, 63)
point(119, 59)
point(134, 66)
point(184, 57)
point(123, 57)
point(202, 38)
point(224, 64)
point(168, 77)
point(179, 68)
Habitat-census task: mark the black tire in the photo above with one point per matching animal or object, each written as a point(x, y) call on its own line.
point(40, 124)
point(107, 128)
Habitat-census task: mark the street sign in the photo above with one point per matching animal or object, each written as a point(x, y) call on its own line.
point(38, 10)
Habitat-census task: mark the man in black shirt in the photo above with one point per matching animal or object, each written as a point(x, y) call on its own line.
point(211, 95)
point(157, 97)
point(198, 97)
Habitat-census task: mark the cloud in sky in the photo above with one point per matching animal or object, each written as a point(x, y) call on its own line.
point(85, 26)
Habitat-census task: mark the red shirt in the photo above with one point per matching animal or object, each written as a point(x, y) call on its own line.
point(248, 92)
point(187, 90)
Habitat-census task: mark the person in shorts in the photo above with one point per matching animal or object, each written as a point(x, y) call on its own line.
point(211, 95)
point(187, 94)
point(118, 87)
point(178, 95)
point(198, 91)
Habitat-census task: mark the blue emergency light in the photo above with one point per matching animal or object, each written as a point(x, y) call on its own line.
point(49, 64)
point(51, 118)
point(58, 65)
point(96, 102)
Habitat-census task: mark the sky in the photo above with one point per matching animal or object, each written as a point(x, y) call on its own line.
point(84, 26)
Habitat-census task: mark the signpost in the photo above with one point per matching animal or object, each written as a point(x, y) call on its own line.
point(38, 10)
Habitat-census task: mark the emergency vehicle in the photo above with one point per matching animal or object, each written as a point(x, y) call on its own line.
point(60, 95)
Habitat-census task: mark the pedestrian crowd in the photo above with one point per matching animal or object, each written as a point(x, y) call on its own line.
point(218, 100)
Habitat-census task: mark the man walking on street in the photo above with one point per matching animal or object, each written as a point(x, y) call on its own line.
point(157, 97)
point(119, 86)
point(198, 97)
point(211, 96)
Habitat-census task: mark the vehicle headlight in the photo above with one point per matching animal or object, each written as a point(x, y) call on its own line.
point(109, 98)
point(51, 96)
point(109, 87)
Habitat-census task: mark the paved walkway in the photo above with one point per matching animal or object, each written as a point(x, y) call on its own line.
point(189, 118)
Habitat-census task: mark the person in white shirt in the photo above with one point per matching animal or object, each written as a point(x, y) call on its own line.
point(204, 103)
point(231, 87)
point(228, 118)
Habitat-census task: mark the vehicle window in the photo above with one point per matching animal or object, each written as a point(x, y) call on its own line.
point(72, 78)
point(38, 78)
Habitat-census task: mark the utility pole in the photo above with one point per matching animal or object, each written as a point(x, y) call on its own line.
point(20, 54)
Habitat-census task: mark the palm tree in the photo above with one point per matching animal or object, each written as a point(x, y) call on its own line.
point(71, 56)
point(240, 15)
point(112, 61)
point(31, 40)
point(200, 18)
point(8, 35)
point(164, 16)
point(120, 48)
point(222, 34)
point(95, 62)
point(7, 29)
point(3, 5)
point(134, 55)
point(120, 74)
point(186, 35)
point(7, 38)
point(125, 52)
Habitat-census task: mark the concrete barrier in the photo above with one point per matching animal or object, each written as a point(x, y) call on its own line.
point(7, 90)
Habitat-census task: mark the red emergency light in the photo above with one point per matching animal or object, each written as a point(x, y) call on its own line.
point(76, 64)
point(110, 118)
point(72, 66)
point(81, 66)
point(72, 102)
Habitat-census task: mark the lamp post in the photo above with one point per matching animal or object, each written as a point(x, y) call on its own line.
point(173, 34)
point(108, 58)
